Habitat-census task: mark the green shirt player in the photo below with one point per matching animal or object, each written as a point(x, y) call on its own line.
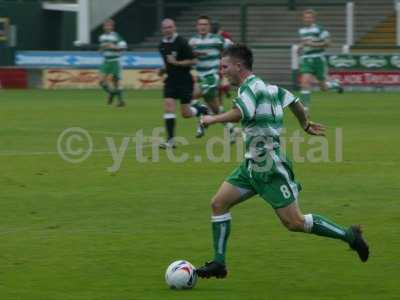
point(265, 170)
point(207, 48)
point(313, 41)
point(111, 46)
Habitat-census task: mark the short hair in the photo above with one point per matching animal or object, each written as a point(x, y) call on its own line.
point(204, 17)
point(242, 53)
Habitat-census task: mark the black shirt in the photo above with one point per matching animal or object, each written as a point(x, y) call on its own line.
point(181, 50)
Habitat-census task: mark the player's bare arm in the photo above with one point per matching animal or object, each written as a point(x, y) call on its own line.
point(310, 127)
point(234, 116)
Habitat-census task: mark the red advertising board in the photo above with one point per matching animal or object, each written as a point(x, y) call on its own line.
point(367, 78)
point(13, 78)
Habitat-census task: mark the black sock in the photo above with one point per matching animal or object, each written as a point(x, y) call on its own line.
point(170, 125)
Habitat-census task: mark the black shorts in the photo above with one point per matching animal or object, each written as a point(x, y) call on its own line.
point(181, 90)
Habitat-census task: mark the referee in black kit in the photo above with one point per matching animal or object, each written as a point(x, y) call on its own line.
point(178, 60)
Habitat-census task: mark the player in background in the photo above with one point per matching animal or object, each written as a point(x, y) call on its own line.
point(178, 60)
point(265, 169)
point(224, 87)
point(207, 48)
point(314, 40)
point(111, 46)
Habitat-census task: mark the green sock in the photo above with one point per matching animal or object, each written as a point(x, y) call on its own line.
point(305, 97)
point(221, 227)
point(322, 226)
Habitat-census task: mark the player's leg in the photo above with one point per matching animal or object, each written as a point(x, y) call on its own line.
point(212, 102)
point(104, 82)
point(193, 110)
point(221, 98)
point(117, 78)
point(223, 89)
point(209, 86)
point(188, 110)
point(306, 79)
point(236, 189)
point(201, 90)
point(321, 73)
point(332, 84)
point(169, 120)
point(197, 93)
point(214, 105)
point(195, 102)
point(305, 89)
point(118, 91)
point(227, 196)
point(294, 220)
point(281, 191)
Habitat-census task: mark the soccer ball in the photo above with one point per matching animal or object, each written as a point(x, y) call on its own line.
point(181, 275)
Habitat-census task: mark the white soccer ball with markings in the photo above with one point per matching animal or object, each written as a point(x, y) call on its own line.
point(180, 275)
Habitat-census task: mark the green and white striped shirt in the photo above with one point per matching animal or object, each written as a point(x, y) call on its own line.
point(211, 45)
point(115, 39)
point(261, 106)
point(315, 33)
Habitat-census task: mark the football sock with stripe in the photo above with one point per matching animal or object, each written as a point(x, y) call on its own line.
point(322, 226)
point(221, 228)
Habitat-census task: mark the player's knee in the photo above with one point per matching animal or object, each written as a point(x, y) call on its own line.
point(218, 206)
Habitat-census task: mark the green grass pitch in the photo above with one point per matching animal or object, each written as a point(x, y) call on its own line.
point(79, 232)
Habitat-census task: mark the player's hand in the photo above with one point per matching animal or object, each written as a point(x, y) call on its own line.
point(315, 129)
point(207, 120)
